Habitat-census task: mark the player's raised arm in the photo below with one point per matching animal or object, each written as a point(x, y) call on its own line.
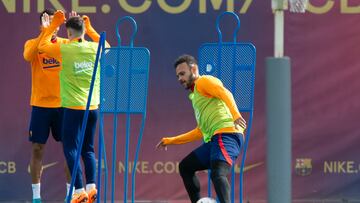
point(45, 45)
point(31, 46)
point(91, 32)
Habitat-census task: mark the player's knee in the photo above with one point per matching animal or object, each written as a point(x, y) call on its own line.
point(183, 168)
point(217, 178)
point(217, 174)
point(37, 150)
point(87, 153)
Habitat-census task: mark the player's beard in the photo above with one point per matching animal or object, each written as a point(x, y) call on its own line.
point(190, 82)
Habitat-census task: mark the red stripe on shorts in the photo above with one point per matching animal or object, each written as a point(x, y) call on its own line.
point(223, 150)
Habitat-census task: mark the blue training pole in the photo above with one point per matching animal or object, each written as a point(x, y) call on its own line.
point(127, 140)
point(101, 139)
point(136, 157)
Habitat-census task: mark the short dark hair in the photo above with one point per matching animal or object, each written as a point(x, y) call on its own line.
point(76, 23)
point(49, 11)
point(188, 59)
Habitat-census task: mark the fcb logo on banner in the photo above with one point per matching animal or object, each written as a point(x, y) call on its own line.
point(303, 167)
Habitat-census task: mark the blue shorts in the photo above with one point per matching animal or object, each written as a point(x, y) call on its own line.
point(42, 121)
point(223, 146)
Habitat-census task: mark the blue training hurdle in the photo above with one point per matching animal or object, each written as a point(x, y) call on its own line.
point(123, 90)
point(234, 64)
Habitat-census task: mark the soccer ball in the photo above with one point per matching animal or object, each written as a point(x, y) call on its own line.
point(206, 200)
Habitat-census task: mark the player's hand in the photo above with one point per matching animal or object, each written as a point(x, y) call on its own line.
point(240, 122)
point(161, 145)
point(45, 20)
point(87, 23)
point(73, 14)
point(59, 18)
point(86, 20)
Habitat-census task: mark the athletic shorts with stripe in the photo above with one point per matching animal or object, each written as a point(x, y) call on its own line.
point(223, 146)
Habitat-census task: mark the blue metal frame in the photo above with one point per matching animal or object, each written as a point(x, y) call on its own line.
point(212, 63)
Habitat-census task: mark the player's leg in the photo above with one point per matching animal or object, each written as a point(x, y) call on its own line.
point(56, 128)
point(88, 155)
point(219, 172)
point(68, 179)
point(71, 139)
point(37, 152)
point(225, 148)
point(38, 135)
point(189, 165)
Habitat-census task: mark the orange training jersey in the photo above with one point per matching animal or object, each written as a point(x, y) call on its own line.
point(45, 83)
